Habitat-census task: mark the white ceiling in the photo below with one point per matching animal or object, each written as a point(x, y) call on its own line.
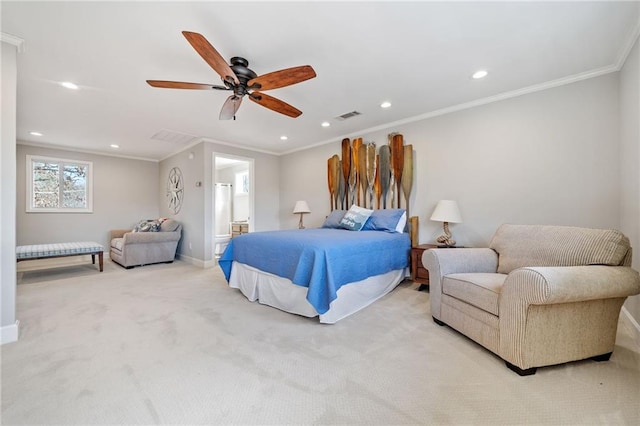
point(417, 55)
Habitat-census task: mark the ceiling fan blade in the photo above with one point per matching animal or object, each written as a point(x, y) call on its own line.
point(211, 56)
point(274, 104)
point(183, 85)
point(282, 78)
point(230, 107)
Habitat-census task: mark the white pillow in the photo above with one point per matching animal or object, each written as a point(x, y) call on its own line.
point(401, 223)
point(355, 218)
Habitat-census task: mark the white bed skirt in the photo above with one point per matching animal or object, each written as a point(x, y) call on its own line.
point(281, 293)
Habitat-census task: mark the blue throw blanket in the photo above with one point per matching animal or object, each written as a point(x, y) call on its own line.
point(321, 259)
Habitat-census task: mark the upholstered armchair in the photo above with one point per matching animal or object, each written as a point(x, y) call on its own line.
point(538, 296)
point(131, 249)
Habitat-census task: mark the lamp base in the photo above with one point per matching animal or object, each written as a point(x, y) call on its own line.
point(446, 238)
point(300, 224)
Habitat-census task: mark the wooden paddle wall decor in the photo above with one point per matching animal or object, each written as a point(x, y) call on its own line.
point(370, 176)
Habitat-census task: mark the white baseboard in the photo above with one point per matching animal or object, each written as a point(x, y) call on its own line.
point(197, 262)
point(631, 324)
point(9, 333)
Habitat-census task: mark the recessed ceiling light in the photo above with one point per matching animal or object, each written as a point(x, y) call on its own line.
point(325, 124)
point(114, 146)
point(69, 85)
point(385, 105)
point(35, 133)
point(283, 138)
point(479, 74)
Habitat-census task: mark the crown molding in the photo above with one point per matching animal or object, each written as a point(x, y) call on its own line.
point(478, 102)
point(13, 40)
point(626, 48)
point(84, 151)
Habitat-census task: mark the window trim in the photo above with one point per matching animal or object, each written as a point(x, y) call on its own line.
point(30, 208)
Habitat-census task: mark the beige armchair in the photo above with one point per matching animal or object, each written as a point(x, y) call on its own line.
point(131, 249)
point(540, 295)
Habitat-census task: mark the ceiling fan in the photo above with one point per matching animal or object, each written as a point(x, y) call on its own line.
point(241, 80)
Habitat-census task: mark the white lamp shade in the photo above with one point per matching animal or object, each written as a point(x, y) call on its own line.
point(301, 207)
point(447, 211)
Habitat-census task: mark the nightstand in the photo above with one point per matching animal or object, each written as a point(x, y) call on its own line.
point(419, 274)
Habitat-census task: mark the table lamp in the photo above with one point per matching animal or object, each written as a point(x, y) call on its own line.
point(446, 211)
point(301, 208)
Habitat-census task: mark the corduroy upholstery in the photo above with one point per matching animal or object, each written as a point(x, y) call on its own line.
point(540, 295)
point(131, 249)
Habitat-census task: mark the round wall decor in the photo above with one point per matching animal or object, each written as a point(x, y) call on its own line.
point(175, 190)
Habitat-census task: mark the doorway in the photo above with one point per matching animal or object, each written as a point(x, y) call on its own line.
point(233, 199)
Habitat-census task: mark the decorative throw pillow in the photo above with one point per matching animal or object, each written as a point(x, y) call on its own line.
point(334, 218)
point(149, 225)
point(355, 218)
point(388, 220)
point(168, 225)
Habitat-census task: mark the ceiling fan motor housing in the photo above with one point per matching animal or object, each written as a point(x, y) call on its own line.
point(240, 68)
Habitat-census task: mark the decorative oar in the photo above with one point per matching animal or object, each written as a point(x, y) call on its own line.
point(341, 186)
point(376, 184)
point(407, 175)
point(385, 172)
point(392, 184)
point(330, 181)
point(346, 165)
point(353, 176)
point(336, 172)
point(397, 156)
point(371, 170)
point(362, 173)
point(357, 142)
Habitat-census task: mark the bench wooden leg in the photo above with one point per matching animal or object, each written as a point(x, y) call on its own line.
point(99, 259)
point(93, 258)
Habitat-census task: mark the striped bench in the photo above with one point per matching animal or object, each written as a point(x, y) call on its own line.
point(46, 251)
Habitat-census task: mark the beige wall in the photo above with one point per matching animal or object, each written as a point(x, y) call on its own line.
point(124, 193)
point(549, 157)
point(629, 91)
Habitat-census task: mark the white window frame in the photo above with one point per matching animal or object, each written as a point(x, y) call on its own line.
point(30, 208)
point(241, 177)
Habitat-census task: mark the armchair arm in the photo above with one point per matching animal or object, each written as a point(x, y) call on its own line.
point(441, 262)
point(117, 233)
point(526, 330)
point(150, 237)
point(564, 284)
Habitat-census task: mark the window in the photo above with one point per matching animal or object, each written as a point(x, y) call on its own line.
point(59, 186)
point(242, 182)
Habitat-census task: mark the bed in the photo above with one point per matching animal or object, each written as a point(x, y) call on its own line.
point(326, 272)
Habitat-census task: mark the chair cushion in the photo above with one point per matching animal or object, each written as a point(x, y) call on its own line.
point(116, 243)
point(481, 290)
point(540, 245)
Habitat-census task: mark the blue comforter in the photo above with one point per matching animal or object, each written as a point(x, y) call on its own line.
point(321, 259)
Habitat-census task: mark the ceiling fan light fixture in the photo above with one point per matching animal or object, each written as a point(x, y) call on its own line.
point(325, 124)
point(35, 133)
point(283, 138)
point(69, 85)
point(385, 104)
point(479, 74)
point(114, 146)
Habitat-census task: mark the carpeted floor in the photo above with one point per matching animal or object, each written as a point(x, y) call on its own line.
point(172, 344)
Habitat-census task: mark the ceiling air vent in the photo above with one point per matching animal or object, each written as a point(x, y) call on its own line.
point(173, 137)
point(348, 115)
